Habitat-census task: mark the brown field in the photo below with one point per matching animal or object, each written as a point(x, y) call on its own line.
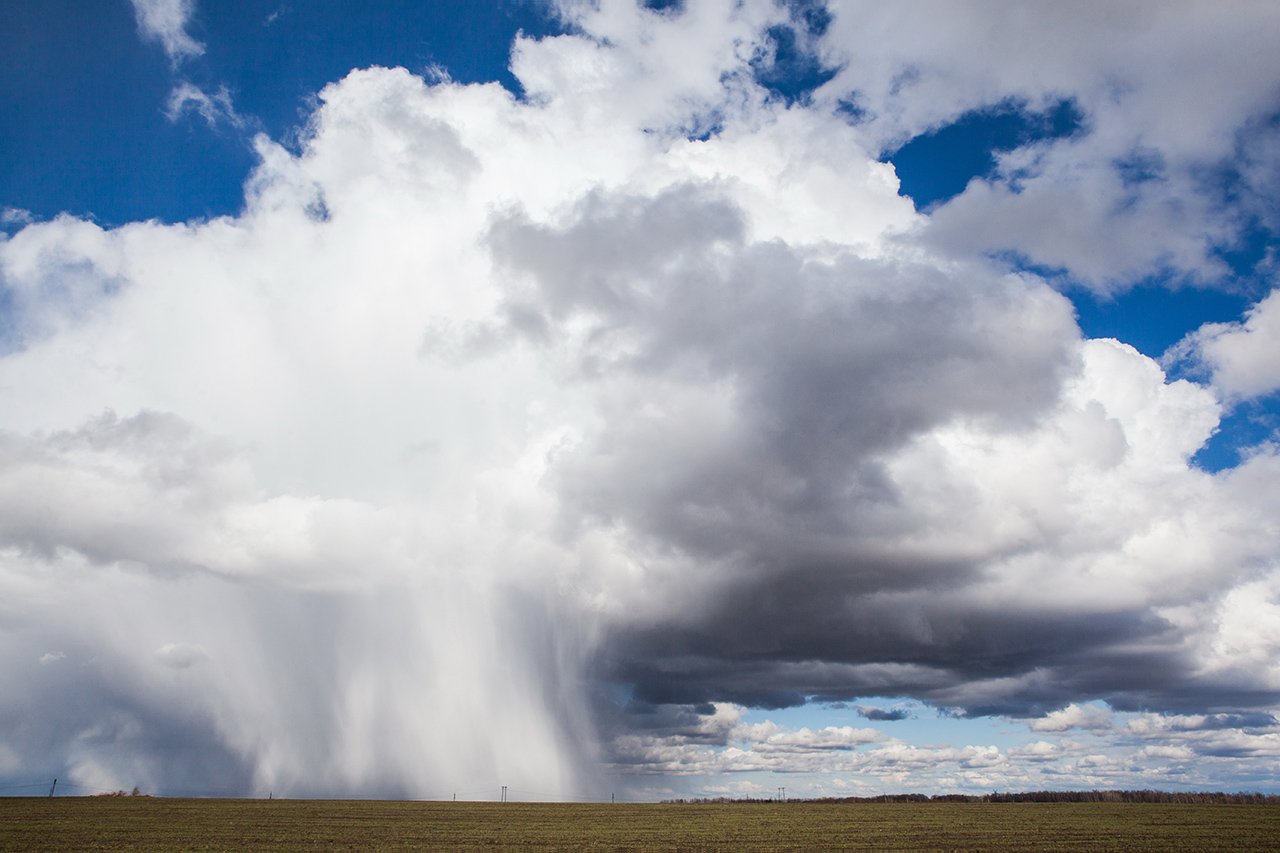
point(145, 823)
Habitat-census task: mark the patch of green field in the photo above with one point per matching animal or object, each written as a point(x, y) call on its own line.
point(144, 823)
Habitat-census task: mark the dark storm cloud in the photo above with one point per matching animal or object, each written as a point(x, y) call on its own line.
point(822, 366)
point(633, 715)
point(757, 390)
point(811, 644)
point(885, 715)
point(1237, 721)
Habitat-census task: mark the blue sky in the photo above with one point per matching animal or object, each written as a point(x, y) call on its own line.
point(83, 90)
point(668, 399)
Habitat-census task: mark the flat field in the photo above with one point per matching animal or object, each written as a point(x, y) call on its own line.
point(145, 823)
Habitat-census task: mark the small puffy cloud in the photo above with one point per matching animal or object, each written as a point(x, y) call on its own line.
point(869, 712)
point(1176, 753)
point(166, 22)
point(811, 740)
point(1149, 724)
point(1038, 751)
point(52, 657)
point(1089, 717)
point(1243, 358)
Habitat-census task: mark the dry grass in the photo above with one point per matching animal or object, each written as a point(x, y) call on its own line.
point(143, 823)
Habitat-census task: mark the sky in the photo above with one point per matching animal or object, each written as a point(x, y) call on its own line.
point(644, 400)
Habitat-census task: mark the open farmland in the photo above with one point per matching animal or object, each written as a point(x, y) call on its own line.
point(144, 823)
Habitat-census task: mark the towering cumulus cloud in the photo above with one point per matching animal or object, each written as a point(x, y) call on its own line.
point(516, 440)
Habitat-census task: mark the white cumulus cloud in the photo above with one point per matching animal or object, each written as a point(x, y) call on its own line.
point(1242, 358)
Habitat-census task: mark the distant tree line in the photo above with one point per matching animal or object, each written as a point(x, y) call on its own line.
point(136, 792)
point(1164, 797)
